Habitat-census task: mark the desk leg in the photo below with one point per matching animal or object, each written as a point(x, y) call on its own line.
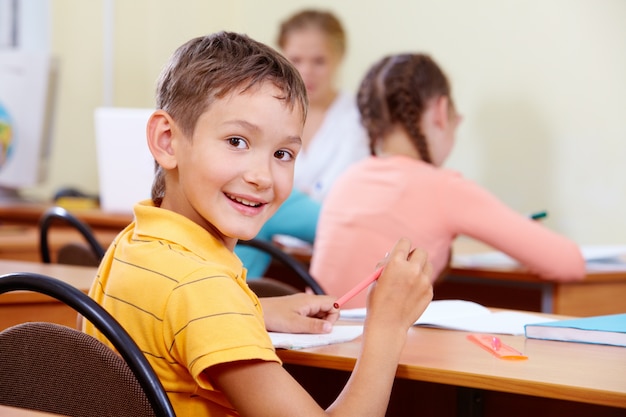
point(470, 402)
point(547, 298)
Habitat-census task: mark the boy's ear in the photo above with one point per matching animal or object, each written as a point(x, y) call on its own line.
point(159, 135)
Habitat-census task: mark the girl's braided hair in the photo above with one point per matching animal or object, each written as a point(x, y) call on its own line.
point(396, 91)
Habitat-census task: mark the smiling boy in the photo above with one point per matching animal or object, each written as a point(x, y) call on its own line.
point(225, 137)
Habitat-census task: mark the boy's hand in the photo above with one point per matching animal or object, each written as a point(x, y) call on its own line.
point(299, 313)
point(404, 289)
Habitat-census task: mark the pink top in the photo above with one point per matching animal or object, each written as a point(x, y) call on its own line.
point(381, 199)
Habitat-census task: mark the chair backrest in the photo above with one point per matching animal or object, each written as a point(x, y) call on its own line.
point(71, 365)
point(59, 213)
point(302, 277)
point(77, 253)
point(67, 357)
point(270, 287)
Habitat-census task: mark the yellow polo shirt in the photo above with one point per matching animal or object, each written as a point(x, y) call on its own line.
point(183, 298)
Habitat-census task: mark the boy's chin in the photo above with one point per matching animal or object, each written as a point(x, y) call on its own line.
point(248, 234)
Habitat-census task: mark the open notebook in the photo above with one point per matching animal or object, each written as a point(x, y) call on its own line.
point(466, 316)
point(446, 314)
point(339, 334)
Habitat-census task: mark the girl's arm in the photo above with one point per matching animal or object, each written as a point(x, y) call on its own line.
point(478, 214)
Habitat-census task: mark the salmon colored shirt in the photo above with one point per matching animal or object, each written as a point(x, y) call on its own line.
point(381, 199)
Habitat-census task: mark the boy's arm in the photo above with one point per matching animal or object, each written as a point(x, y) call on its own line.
point(258, 388)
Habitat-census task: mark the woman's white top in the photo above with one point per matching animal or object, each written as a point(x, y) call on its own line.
point(340, 141)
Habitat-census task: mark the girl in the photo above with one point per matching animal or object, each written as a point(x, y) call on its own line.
point(407, 109)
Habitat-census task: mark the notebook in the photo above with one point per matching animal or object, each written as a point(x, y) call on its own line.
point(465, 316)
point(339, 334)
point(125, 165)
point(605, 330)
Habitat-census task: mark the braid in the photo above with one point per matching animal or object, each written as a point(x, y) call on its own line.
point(396, 90)
point(372, 107)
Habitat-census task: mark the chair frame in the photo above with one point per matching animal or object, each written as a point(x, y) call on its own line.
point(59, 213)
point(290, 262)
point(104, 322)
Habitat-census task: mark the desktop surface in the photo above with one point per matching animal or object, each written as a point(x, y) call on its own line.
point(577, 372)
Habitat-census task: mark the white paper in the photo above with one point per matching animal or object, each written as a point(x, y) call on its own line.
point(593, 254)
point(484, 259)
point(466, 316)
point(603, 252)
point(605, 258)
point(501, 322)
point(436, 310)
point(339, 334)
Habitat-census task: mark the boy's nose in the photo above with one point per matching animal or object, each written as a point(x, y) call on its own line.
point(259, 174)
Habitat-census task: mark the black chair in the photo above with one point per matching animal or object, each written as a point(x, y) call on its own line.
point(73, 253)
point(54, 368)
point(299, 276)
point(270, 287)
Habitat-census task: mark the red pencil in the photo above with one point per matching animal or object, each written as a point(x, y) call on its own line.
point(358, 288)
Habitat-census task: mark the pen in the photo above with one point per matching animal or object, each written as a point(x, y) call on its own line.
point(358, 288)
point(539, 215)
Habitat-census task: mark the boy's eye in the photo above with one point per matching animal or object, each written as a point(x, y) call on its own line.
point(237, 142)
point(283, 155)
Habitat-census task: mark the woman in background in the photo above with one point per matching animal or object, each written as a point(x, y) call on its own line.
point(333, 138)
point(402, 190)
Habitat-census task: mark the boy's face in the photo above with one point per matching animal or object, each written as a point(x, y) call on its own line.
point(236, 171)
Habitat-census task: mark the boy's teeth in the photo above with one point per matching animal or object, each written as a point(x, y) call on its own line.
point(245, 202)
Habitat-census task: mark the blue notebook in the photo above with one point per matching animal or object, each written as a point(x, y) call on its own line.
point(605, 330)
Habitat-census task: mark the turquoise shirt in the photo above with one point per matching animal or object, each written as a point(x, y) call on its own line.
point(296, 217)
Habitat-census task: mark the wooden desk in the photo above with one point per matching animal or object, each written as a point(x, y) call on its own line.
point(443, 374)
point(29, 214)
point(20, 306)
point(601, 292)
point(19, 233)
point(21, 242)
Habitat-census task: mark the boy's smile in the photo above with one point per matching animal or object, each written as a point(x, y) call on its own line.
point(237, 169)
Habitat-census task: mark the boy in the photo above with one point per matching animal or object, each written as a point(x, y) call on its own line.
point(225, 135)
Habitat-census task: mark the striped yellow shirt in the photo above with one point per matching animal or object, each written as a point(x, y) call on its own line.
point(182, 296)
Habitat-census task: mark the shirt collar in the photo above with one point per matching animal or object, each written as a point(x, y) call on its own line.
point(167, 225)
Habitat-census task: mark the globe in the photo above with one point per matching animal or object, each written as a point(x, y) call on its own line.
point(6, 136)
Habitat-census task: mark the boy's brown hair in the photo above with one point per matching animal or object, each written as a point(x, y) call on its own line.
point(207, 68)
